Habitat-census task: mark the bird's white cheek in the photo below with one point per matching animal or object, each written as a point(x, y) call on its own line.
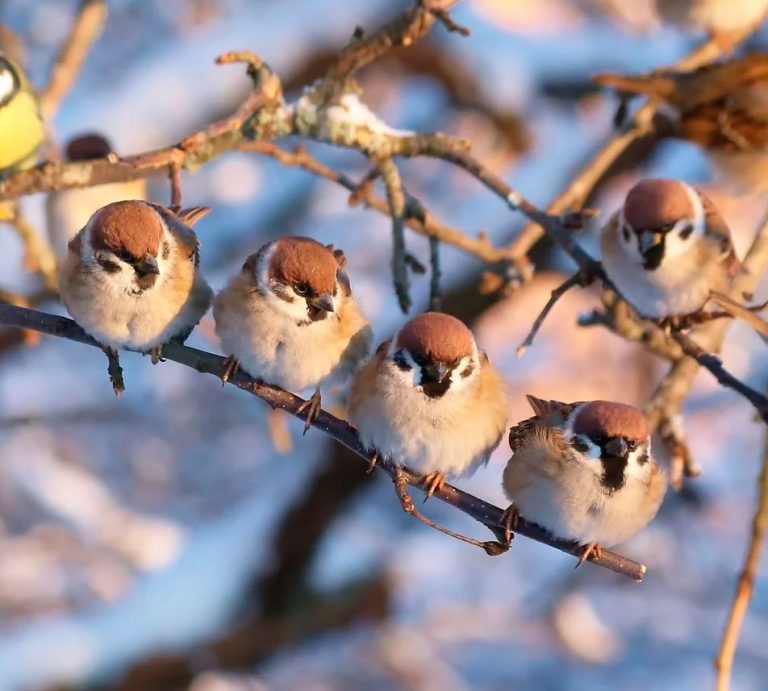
point(6, 84)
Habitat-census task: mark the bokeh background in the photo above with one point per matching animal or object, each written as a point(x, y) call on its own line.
point(180, 537)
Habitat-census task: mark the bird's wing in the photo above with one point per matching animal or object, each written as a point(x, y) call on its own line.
point(718, 231)
point(179, 222)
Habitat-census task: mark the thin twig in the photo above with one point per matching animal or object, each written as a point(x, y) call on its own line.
point(745, 584)
point(396, 199)
point(417, 219)
point(435, 295)
point(714, 365)
point(400, 481)
point(583, 278)
point(38, 255)
point(208, 363)
point(743, 312)
point(86, 28)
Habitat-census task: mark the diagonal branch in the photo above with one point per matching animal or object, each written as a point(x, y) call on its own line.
point(340, 430)
point(745, 584)
point(86, 28)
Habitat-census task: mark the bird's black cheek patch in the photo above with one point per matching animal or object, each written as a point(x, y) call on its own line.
point(642, 459)
point(109, 266)
point(282, 292)
point(685, 233)
point(166, 250)
point(401, 362)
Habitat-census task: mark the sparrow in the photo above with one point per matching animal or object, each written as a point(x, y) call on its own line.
point(723, 19)
point(430, 401)
point(69, 210)
point(721, 107)
point(131, 280)
point(289, 318)
point(584, 472)
point(667, 249)
point(21, 128)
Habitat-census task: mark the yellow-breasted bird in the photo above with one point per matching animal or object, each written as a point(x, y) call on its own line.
point(21, 129)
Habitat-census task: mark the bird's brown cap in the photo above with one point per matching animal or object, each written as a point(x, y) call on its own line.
point(653, 203)
point(128, 226)
point(437, 336)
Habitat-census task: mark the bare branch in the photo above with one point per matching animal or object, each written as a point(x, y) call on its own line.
point(86, 28)
point(396, 200)
point(340, 430)
point(745, 584)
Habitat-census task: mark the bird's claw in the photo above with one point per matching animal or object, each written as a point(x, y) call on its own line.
point(373, 461)
point(591, 549)
point(313, 406)
point(231, 367)
point(156, 355)
point(114, 370)
point(509, 520)
point(432, 482)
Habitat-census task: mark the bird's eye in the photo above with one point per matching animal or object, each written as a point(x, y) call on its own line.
point(124, 255)
point(666, 227)
point(301, 288)
point(631, 444)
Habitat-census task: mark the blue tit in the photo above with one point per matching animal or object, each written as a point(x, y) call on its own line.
point(21, 128)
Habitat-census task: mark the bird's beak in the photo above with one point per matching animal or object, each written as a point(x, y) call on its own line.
point(322, 302)
point(438, 371)
point(649, 239)
point(146, 265)
point(617, 447)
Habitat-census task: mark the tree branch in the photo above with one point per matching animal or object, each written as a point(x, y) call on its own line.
point(578, 190)
point(86, 28)
point(745, 584)
point(340, 430)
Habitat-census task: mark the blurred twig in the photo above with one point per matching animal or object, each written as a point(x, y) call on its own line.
point(38, 255)
point(208, 363)
point(86, 28)
point(396, 200)
point(745, 584)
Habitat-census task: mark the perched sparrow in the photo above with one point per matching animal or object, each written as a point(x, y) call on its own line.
point(21, 129)
point(430, 401)
point(131, 279)
point(721, 18)
point(289, 318)
point(69, 210)
point(721, 107)
point(667, 248)
point(583, 471)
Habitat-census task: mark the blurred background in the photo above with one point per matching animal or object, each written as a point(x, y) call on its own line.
point(181, 537)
